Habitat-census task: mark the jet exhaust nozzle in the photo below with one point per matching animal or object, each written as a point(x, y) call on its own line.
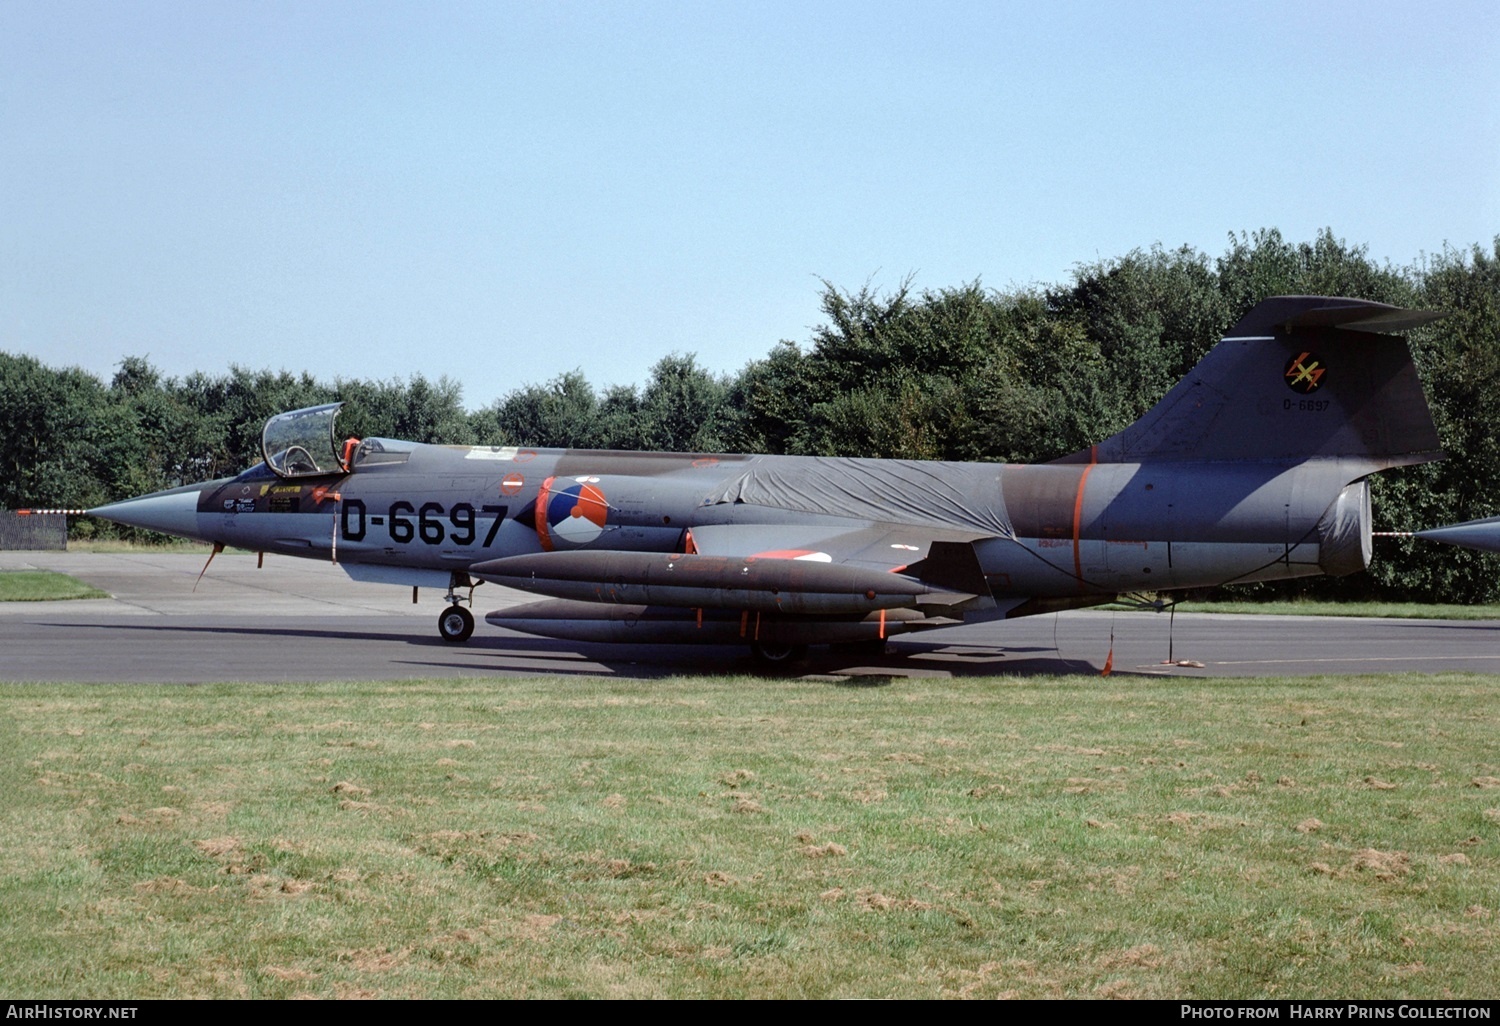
point(1344, 539)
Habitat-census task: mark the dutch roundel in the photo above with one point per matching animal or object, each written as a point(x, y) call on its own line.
point(570, 511)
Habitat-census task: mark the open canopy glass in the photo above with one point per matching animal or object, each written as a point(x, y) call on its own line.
point(302, 443)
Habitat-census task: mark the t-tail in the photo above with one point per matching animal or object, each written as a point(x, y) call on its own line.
point(1298, 378)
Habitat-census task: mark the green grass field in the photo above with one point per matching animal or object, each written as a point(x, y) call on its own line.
point(43, 586)
point(1327, 837)
point(1388, 610)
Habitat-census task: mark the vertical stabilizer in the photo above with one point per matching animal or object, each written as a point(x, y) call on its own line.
point(1298, 377)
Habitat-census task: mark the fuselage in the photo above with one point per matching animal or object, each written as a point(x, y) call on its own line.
point(1050, 531)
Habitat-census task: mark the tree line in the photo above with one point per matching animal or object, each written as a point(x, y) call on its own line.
point(1023, 374)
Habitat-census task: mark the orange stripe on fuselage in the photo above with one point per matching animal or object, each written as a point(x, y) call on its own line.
point(539, 517)
point(1078, 512)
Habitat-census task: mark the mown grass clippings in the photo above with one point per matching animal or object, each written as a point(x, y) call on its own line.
point(43, 586)
point(1025, 838)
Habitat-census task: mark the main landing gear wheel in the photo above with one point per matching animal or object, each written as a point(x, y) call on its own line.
point(455, 624)
point(776, 656)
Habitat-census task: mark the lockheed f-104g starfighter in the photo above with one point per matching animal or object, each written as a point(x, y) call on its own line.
point(1254, 467)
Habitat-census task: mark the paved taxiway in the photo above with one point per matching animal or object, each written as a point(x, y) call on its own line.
point(305, 620)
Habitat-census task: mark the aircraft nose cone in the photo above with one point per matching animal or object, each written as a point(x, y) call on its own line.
point(1474, 534)
point(170, 512)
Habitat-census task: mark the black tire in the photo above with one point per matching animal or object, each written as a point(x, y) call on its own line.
point(455, 625)
point(777, 657)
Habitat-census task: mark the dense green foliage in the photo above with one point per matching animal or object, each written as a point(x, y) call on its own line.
point(969, 373)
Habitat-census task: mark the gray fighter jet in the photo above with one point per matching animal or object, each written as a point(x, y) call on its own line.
point(1254, 467)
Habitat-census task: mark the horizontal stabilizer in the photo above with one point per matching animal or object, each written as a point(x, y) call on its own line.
point(1291, 313)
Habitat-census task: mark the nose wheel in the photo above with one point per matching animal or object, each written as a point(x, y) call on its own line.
point(455, 624)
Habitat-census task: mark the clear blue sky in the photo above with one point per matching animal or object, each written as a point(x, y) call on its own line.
point(500, 192)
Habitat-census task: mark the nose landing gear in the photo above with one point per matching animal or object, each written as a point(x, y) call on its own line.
point(456, 623)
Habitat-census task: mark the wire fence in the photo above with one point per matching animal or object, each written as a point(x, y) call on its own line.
point(33, 530)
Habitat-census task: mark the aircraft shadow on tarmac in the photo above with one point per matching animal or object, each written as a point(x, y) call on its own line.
point(584, 659)
point(1460, 625)
point(518, 654)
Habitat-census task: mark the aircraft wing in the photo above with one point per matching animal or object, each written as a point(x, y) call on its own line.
point(877, 546)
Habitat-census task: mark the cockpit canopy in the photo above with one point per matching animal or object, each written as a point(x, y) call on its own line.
point(303, 443)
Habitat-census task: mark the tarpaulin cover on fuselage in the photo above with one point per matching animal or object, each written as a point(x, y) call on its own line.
point(942, 494)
